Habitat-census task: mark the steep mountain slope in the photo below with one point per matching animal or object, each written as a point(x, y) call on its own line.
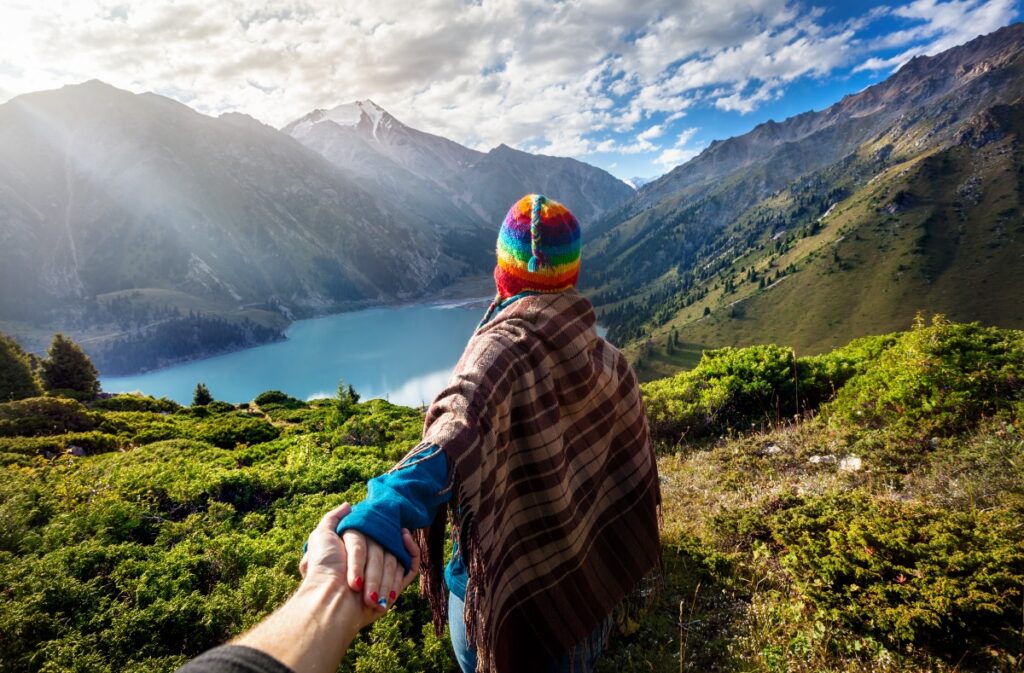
point(406, 169)
point(740, 212)
point(354, 133)
point(453, 182)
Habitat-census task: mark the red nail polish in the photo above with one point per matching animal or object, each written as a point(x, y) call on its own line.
point(359, 583)
point(392, 596)
point(374, 597)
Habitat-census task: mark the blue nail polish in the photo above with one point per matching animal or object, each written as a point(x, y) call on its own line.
point(305, 546)
point(383, 602)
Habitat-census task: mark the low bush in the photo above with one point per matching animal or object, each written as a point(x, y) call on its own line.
point(227, 432)
point(35, 416)
point(281, 400)
point(129, 402)
point(735, 389)
point(936, 380)
point(907, 573)
point(219, 407)
point(88, 443)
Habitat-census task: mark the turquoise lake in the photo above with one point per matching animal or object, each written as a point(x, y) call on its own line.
point(403, 354)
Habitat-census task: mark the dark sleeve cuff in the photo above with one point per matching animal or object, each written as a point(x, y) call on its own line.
point(234, 659)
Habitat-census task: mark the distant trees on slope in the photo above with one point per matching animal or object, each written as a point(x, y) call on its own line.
point(178, 339)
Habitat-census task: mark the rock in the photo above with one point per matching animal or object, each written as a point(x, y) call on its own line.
point(818, 460)
point(986, 127)
point(76, 451)
point(850, 464)
point(771, 450)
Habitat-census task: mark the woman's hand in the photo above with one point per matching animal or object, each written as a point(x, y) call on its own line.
point(374, 571)
point(357, 562)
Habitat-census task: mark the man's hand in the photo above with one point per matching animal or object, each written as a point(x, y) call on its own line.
point(358, 563)
point(312, 630)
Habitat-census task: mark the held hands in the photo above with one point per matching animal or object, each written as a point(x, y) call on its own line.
point(356, 562)
point(374, 571)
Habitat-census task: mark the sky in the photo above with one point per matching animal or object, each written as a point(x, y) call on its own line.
point(633, 86)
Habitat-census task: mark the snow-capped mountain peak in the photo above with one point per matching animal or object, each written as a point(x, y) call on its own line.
point(363, 116)
point(349, 114)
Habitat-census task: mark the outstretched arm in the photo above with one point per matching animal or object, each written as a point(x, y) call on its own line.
point(312, 630)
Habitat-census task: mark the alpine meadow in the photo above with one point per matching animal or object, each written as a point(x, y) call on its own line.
point(816, 287)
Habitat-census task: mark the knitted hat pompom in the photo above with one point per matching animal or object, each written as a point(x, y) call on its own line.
point(538, 248)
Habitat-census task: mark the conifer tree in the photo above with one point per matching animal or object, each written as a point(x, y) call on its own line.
point(17, 381)
point(67, 367)
point(201, 397)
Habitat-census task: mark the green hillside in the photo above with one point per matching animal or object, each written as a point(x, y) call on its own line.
point(941, 231)
point(853, 511)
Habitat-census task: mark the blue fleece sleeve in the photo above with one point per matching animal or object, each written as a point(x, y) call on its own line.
point(405, 498)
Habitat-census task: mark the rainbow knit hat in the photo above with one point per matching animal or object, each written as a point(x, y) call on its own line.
point(538, 248)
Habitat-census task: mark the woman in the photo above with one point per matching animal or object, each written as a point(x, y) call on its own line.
point(538, 449)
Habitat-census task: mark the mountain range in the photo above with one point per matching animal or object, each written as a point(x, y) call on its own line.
point(120, 212)
point(901, 198)
point(474, 187)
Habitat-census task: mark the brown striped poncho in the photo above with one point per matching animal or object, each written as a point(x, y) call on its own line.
point(555, 487)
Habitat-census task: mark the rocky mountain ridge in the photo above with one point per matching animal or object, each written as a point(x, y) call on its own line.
point(687, 242)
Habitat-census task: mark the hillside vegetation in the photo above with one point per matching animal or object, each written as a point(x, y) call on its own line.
point(858, 510)
point(940, 232)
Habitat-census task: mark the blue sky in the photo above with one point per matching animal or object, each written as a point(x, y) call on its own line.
point(882, 36)
point(635, 87)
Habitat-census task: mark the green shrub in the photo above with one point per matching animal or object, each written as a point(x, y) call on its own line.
point(907, 573)
point(737, 388)
point(144, 427)
point(129, 402)
point(276, 397)
point(44, 416)
point(219, 407)
point(380, 423)
point(935, 381)
point(227, 432)
point(312, 419)
point(33, 446)
point(90, 442)
point(138, 560)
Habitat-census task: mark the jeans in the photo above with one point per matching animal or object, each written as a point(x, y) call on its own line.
point(582, 661)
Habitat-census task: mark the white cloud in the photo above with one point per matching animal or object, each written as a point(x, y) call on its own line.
point(942, 25)
point(674, 156)
point(538, 75)
point(744, 103)
point(686, 136)
point(680, 152)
